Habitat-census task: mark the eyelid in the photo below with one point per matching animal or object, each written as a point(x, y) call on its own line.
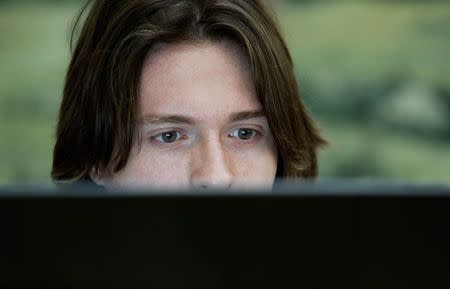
point(256, 127)
point(251, 122)
point(245, 128)
point(179, 136)
point(164, 129)
point(158, 133)
point(257, 134)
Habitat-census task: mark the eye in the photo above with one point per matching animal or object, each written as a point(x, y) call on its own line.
point(243, 133)
point(168, 136)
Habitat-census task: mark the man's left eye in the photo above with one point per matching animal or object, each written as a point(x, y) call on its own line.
point(244, 133)
point(168, 137)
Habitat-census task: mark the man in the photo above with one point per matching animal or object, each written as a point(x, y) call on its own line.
point(185, 93)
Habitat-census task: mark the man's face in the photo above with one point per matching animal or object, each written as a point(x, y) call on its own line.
point(200, 122)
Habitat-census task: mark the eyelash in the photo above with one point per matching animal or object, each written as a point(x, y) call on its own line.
point(232, 134)
point(159, 137)
point(254, 134)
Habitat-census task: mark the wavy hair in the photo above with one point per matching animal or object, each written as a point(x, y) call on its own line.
point(97, 118)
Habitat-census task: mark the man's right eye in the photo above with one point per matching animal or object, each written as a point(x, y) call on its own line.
point(168, 137)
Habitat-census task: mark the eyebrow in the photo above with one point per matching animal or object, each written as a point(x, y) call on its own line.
point(152, 119)
point(180, 119)
point(244, 115)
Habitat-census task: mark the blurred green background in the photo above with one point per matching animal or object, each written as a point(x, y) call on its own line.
point(375, 74)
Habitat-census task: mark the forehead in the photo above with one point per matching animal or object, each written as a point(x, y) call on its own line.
point(206, 81)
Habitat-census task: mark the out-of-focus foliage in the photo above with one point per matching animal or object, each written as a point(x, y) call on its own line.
point(375, 74)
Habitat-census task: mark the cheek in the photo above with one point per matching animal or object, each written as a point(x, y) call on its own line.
point(150, 168)
point(256, 166)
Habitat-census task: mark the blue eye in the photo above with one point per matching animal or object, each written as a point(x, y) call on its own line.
point(168, 136)
point(244, 133)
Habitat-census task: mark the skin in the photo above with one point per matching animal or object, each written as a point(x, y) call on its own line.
point(200, 122)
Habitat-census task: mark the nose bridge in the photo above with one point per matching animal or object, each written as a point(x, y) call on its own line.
point(211, 164)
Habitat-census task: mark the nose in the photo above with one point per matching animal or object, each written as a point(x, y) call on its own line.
point(211, 166)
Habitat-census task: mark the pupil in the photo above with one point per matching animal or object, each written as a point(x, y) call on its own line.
point(245, 133)
point(169, 137)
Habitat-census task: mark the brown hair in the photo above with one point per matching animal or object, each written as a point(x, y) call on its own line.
point(96, 124)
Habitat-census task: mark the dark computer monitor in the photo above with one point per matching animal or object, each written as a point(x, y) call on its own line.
point(324, 235)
